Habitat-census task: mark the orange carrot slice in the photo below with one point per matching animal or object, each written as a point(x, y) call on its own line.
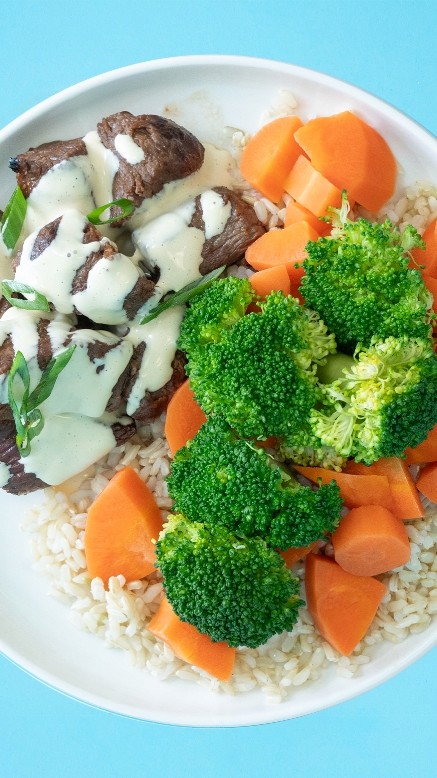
point(371, 540)
point(189, 644)
point(184, 418)
point(406, 499)
point(269, 280)
point(293, 555)
point(425, 451)
point(342, 605)
point(282, 247)
point(122, 527)
point(428, 255)
point(312, 190)
point(355, 489)
point(295, 212)
point(352, 155)
point(427, 481)
point(270, 154)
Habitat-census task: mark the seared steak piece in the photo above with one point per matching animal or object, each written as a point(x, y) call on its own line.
point(154, 403)
point(35, 246)
point(170, 153)
point(241, 229)
point(33, 164)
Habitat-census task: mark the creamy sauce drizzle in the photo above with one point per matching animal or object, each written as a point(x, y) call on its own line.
point(77, 429)
point(160, 337)
point(128, 149)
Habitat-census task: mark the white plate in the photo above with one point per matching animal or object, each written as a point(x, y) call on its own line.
point(203, 93)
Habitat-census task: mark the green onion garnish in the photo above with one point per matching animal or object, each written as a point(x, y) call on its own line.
point(37, 300)
point(184, 295)
point(126, 207)
point(12, 220)
point(28, 419)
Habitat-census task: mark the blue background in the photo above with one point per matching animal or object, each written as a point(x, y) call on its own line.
point(387, 48)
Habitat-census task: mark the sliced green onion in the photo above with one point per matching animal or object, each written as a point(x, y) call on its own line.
point(28, 419)
point(12, 220)
point(126, 207)
point(184, 295)
point(38, 301)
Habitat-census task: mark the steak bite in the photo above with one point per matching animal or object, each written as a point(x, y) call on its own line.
point(32, 165)
point(241, 229)
point(166, 152)
point(91, 278)
point(154, 403)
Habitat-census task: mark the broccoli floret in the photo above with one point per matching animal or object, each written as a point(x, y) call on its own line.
point(385, 402)
point(233, 589)
point(359, 282)
point(220, 479)
point(214, 311)
point(259, 372)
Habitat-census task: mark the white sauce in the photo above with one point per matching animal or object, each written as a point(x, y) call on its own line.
point(67, 445)
point(4, 474)
point(128, 149)
point(215, 213)
point(52, 272)
point(84, 387)
point(74, 435)
point(108, 284)
point(64, 186)
point(215, 171)
point(5, 262)
point(160, 337)
point(104, 165)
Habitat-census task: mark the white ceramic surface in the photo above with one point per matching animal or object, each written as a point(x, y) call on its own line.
point(205, 94)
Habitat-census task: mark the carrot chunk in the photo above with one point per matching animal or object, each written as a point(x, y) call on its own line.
point(425, 451)
point(311, 189)
point(184, 418)
point(428, 255)
point(427, 481)
point(283, 247)
point(269, 155)
point(123, 524)
point(295, 212)
point(342, 605)
point(189, 644)
point(406, 498)
point(371, 540)
point(272, 279)
point(355, 489)
point(352, 155)
point(293, 555)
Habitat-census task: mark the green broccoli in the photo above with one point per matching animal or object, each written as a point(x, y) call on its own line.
point(259, 370)
point(233, 589)
point(385, 402)
point(359, 282)
point(220, 479)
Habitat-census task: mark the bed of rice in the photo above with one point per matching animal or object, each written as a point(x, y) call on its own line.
point(119, 615)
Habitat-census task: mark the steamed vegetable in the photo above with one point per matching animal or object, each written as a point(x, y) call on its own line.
point(342, 605)
point(371, 540)
point(270, 154)
point(386, 401)
point(189, 644)
point(234, 589)
point(219, 479)
point(406, 500)
point(258, 370)
point(122, 528)
point(311, 190)
point(183, 419)
point(351, 154)
point(284, 247)
point(359, 282)
point(355, 489)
